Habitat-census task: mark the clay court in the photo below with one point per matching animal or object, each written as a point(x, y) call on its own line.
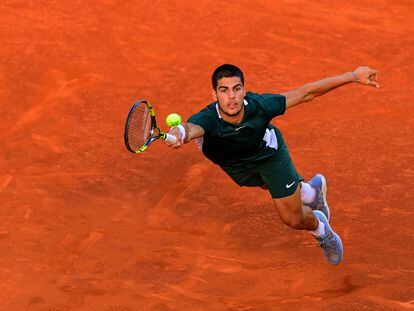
point(86, 225)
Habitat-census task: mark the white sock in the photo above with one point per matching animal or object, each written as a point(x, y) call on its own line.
point(320, 231)
point(307, 193)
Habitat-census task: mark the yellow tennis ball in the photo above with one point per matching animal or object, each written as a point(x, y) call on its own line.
point(173, 119)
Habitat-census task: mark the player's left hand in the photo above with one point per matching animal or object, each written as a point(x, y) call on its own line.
point(366, 75)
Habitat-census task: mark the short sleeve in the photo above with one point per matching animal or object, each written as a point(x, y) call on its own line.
point(273, 104)
point(205, 119)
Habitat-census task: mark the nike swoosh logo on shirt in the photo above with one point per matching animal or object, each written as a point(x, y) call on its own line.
point(290, 185)
point(240, 127)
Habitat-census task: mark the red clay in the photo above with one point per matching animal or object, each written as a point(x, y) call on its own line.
point(85, 225)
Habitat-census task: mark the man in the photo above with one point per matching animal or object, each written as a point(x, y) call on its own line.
point(235, 133)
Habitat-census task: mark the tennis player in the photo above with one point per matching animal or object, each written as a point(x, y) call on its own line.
point(235, 133)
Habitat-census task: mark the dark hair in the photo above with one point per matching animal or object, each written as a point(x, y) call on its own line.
point(226, 71)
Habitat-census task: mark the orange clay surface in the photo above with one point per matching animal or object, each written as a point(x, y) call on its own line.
point(86, 225)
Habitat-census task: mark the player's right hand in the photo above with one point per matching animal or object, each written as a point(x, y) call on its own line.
point(175, 132)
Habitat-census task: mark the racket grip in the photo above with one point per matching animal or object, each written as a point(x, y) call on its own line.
point(170, 139)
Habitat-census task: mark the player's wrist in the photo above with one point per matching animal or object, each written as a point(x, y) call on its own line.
point(183, 131)
point(354, 77)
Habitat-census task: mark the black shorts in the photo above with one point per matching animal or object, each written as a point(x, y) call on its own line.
point(277, 172)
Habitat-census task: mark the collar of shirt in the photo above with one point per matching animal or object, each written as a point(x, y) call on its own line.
point(218, 110)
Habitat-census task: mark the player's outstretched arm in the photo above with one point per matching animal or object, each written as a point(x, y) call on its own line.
point(307, 92)
point(190, 131)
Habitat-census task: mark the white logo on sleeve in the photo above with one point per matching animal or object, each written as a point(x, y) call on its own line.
point(290, 185)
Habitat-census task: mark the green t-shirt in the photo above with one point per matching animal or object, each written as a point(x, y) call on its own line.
point(253, 139)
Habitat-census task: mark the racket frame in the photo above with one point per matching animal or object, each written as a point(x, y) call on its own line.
point(155, 132)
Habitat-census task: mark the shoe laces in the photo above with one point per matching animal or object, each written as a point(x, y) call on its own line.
point(325, 242)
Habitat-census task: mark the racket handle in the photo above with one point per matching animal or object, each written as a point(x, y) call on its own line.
point(170, 139)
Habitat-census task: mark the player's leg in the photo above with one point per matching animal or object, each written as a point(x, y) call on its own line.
point(313, 194)
point(294, 214)
point(291, 210)
point(298, 216)
point(285, 185)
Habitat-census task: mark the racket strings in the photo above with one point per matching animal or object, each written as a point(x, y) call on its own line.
point(139, 130)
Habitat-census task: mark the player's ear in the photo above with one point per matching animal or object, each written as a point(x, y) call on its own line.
point(214, 94)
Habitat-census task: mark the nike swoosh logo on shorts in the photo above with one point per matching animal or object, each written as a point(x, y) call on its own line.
point(290, 185)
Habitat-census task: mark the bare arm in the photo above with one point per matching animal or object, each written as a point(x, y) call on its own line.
point(307, 92)
point(192, 131)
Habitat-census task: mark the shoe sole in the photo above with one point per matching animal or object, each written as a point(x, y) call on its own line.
point(328, 226)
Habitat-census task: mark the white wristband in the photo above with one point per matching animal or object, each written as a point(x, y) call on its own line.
point(182, 131)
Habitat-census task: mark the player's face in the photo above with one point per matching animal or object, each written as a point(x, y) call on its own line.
point(230, 94)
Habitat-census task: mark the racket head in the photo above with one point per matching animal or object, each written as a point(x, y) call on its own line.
point(140, 127)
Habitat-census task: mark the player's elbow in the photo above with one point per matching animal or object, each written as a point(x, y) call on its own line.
point(308, 97)
point(308, 92)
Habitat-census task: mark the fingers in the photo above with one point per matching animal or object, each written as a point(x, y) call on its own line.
point(374, 84)
point(177, 134)
point(175, 146)
point(373, 79)
point(178, 144)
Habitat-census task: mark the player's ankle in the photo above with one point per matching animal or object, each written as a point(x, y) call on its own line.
point(320, 231)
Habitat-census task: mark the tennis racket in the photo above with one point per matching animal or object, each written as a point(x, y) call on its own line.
point(141, 128)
